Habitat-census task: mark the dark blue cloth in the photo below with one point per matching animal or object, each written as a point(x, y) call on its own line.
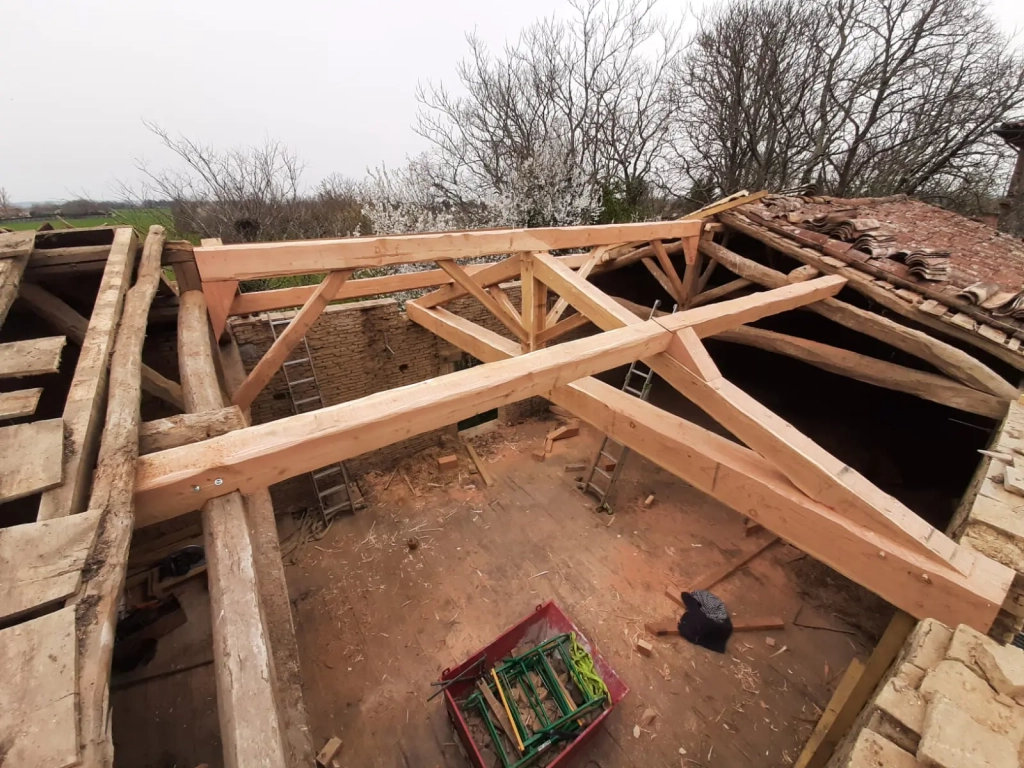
point(706, 622)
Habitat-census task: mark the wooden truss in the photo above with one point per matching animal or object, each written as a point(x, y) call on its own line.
point(777, 476)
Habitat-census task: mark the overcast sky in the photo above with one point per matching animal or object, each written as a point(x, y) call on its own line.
point(333, 79)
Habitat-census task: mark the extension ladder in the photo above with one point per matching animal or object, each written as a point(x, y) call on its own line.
point(335, 490)
point(611, 450)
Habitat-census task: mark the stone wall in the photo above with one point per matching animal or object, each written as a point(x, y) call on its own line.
point(953, 699)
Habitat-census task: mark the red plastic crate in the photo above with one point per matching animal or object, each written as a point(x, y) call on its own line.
point(545, 622)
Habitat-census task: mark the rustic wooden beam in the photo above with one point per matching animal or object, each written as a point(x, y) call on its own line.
point(812, 469)
point(97, 601)
point(15, 249)
point(246, 703)
point(720, 292)
point(477, 291)
point(562, 327)
point(535, 304)
point(595, 258)
point(487, 275)
point(188, 428)
point(283, 345)
point(506, 303)
point(83, 409)
point(662, 278)
point(274, 595)
point(253, 260)
point(748, 483)
point(955, 363)
point(669, 269)
point(253, 457)
point(870, 370)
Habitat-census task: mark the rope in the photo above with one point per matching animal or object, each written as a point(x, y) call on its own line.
point(589, 679)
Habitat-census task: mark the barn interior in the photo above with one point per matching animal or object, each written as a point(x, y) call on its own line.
point(258, 527)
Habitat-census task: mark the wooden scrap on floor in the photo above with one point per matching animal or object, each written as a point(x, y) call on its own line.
point(326, 755)
point(670, 628)
point(709, 579)
point(644, 648)
point(539, 455)
point(562, 433)
point(649, 500)
point(577, 466)
point(41, 563)
point(447, 462)
point(30, 458)
point(485, 475)
point(38, 721)
point(23, 402)
point(32, 357)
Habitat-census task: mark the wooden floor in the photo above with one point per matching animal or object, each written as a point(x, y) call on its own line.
point(377, 621)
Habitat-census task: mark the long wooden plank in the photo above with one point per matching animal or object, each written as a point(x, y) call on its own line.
point(41, 562)
point(490, 274)
point(954, 362)
point(15, 248)
point(83, 408)
point(283, 345)
point(246, 703)
point(251, 260)
point(274, 595)
point(111, 496)
point(870, 370)
point(38, 724)
point(186, 428)
point(32, 357)
point(720, 292)
point(474, 289)
point(267, 453)
point(745, 481)
point(722, 572)
point(30, 458)
point(66, 319)
point(23, 402)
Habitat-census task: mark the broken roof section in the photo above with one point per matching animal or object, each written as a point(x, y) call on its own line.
point(946, 271)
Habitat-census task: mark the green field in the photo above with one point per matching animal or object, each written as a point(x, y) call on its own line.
point(141, 219)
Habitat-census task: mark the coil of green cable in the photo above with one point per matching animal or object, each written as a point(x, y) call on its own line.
point(589, 678)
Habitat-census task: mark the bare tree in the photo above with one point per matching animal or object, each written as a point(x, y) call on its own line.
point(6, 208)
point(861, 97)
point(248, 194)
point(572, 108)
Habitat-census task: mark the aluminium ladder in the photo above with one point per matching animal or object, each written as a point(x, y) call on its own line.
point(638, 372)
point(335, 490)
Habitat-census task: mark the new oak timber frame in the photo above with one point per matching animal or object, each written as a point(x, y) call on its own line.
point(777, 476)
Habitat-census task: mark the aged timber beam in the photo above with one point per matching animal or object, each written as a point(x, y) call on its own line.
point(253, 260)
point(83, 409)
point(15, 249)
point(955, 363)
point(112, 498)
point(246, 702)
point(748, 483)
point(66, 319)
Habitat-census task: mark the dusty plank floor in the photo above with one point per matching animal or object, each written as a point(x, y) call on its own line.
point(377, 621)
